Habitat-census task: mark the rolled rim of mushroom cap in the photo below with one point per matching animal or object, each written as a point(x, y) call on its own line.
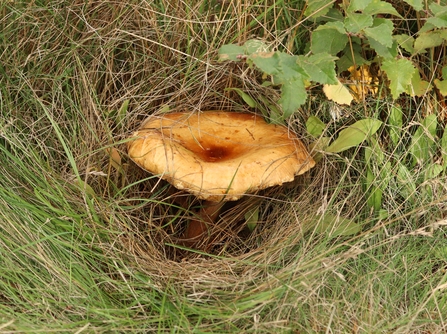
point(218, 155)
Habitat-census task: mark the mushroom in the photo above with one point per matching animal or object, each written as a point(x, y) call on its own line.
point(217, 156)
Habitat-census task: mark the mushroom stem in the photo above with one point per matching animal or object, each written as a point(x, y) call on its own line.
point(207, 214)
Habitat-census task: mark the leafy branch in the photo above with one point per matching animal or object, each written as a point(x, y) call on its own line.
point(357, 28)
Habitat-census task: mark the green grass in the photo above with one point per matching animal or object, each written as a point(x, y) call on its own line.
point(83, 238)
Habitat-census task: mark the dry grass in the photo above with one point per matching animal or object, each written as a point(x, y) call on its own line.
point(89, 242)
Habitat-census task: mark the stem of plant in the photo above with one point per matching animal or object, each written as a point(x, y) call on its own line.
point(197, 228)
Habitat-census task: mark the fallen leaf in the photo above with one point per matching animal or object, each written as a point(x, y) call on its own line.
point(338, 93)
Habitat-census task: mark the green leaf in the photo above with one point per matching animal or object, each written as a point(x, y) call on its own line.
point(357, 5)
point(320, 67)
point(122, 112)
point(354, 135)
point(252, 218)
point(432, 171)
point(231, 52)
point(430, 123)
point(293, 95)
point(317, 8)
point(381, 7)
point(247, 98)
point(346, 60)
point(315, 126)
point(418, 87)
point(405, 41)
point(374, 199)
point(400, 73)
point(437, 22)
point(330, 37)
point(319, 145)
point(288, 68)
point(426, 27)
point(355, 22)
point(383, 51)
point(381, 31)
point(374, 153)
point(85, 187)
point(442, 86)
point(395, 122)
point(438, 10)
point(335, 226)
point(416, 4)
point(418, 148)
point(282, 66)
point(254, 46)
point(440, 18)
point(444, 72)
point(267, 62)
point(427, 40)
point(286, 72)
point(405, 179)
point(444, 148)
point(423, 141)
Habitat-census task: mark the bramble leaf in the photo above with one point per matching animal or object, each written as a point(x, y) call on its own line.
point(288, 68)
point(330, 37)
point(357, 5)
point(442, 86)
point(355, 22)
point(438, 22)
point(405, 41)
point(231, 52)
point(440, 18)
point(381, 31)
point(317, 8)
point(319, 67)
point(255, 45)
point(382, 50)
point(416, 4)
point(267, 62)
point(418, 87)
point(400, 72)
point(293, 95)
point(282, 66)
point(346, 60)
point(380, 7)
point(426, 40)
point(444, 72)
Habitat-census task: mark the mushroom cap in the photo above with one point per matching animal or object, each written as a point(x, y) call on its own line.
point(218, 155)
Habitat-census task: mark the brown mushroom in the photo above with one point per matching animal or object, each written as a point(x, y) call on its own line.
point(218, 156)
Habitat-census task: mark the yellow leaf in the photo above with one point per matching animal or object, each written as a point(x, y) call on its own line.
point(115, 158)
point(363, 82)
point(338, 93)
